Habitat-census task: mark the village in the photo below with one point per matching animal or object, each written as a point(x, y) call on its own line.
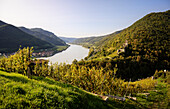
point(35, 54)
point(43, 54)
point(122, 49)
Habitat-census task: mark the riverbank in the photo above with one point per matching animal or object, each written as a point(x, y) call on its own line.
point(49, 52)
point(85, 45)
point(67, 56)
point(41, 52)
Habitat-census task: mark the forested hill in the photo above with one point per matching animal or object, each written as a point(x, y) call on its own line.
point(87, 41)
point(138, 50)
point(68, 39)
point(11, 38)
point(44, 35)
point(48, 33)
point(93, 41)
point(148, 36)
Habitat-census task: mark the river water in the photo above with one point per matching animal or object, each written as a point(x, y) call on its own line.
point(73, 52)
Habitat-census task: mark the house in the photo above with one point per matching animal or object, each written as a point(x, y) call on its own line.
point(125, 44)
point(121, 50)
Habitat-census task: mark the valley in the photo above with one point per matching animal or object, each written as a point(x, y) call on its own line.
point(74, 52)
point(125, 69)
point(45, 43)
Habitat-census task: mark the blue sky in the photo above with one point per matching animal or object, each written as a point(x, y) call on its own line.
point(78, 18)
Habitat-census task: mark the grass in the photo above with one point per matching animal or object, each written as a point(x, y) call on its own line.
point(18, 91)
point(158, 98)
point(61, 48)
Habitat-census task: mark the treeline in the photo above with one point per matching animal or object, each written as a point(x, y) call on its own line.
point(19, 62)
point(12, 37)
point(148, 48)
point(147, 36)
point(127, 69)
point(94, 79)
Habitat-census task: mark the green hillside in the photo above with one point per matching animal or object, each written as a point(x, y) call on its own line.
point(53, 86)
point(87, 42)
point(53, 40)
point(132, 64)
point(149, 34)
point(93, 41)
point(11, 38)
point(147, 49)
point(18, 91)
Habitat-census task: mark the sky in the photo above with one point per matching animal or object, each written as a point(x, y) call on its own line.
point(78, 18)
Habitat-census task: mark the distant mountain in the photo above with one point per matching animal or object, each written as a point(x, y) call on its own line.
point(47, 33)
point(88, 41)
point(44, 35)
point(68, 40)
point(11, 38)
point(93, 41)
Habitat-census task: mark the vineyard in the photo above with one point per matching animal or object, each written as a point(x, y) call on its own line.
point(95, 80)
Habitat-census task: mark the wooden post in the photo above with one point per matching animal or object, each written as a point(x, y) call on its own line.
point(102, 84)
point(127, 87)
point(29, 70)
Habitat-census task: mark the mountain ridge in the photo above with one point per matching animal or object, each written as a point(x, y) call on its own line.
point(92, 41)
point(11, 38)
point(67, 39)
point(44, 35)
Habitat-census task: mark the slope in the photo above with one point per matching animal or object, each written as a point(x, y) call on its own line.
point(53, 40)
point(139, 50)
point(68, 39)
point(18, 91)
point(56, 40)
point(148, 35)
point(11, 38)
point(94, 41)
point(87, 41)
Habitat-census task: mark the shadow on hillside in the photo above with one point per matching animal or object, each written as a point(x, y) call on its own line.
point(78, 96)
point(54, 82)
point(16, 79)
point(39, 78)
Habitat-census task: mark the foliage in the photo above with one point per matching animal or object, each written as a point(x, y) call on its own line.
point(147, 51)
point(44, 95)
point(93, 79)
point(18, 91)
point(18, 62)
point(102, 74)
point(93, 41)
point(87, 42)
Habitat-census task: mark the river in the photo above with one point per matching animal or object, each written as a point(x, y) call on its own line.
point(73, 52)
